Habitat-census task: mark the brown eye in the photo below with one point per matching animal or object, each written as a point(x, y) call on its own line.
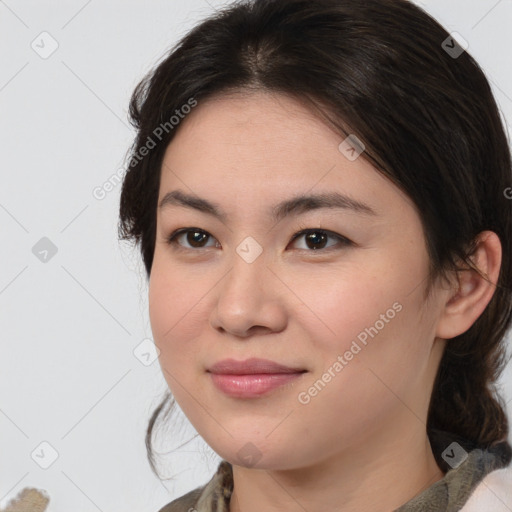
point(193, 236)
point(316, 239)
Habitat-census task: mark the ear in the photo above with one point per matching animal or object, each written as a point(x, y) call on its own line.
point(467, 300)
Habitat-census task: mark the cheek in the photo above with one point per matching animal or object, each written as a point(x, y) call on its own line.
point(369, 353)
point(162, 293)
point(168, 315)
point(340, 305)
point(172, 298)
point(372, 315)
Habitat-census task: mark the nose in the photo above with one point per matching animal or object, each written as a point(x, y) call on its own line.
point(249, 299)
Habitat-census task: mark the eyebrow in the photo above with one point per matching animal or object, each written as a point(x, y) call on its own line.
point(293, 206)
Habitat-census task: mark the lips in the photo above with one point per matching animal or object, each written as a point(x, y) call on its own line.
point(253, 366)
point(252, 378)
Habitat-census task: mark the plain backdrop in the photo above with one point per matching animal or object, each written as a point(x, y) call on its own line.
point(78, 378)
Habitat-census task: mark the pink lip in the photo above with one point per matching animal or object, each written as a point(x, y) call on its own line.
point(251, 367)
point(251, 378)
point(251, 386)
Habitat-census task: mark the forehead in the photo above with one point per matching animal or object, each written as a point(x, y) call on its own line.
point(272, 118)
point(261, 148)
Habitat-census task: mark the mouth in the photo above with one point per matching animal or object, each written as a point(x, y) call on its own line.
point(252, 378)
point(253, 366)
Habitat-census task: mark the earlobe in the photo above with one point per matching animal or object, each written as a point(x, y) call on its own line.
point(473, 292)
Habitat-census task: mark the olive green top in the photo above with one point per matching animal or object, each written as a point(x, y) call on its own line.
point(464, 468)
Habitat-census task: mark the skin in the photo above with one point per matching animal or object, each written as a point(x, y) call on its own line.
point(366, 429)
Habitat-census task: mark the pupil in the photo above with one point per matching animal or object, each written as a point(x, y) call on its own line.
point(312, 236)
point(194, 238)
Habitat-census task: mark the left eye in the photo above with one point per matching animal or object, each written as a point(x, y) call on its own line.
point(317, 237)
point(314, 238)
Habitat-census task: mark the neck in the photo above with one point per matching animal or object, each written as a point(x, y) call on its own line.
point(380, 474)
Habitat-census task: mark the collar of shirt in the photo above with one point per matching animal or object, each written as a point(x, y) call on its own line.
point(464, 469)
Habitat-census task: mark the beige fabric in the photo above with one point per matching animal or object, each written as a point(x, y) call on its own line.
point(493, 494)
point(28, 500)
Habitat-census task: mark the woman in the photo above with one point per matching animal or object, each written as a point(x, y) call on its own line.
point(353, 374)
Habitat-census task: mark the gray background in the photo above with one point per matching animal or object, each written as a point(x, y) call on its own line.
point(75, 372)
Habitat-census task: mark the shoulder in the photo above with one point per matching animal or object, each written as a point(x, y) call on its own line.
point(213, 496)
point(494, 493)
point(184, 503)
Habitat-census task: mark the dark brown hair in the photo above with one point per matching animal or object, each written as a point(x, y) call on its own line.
point(387, 72)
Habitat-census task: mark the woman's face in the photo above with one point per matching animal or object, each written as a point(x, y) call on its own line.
point(349, 311)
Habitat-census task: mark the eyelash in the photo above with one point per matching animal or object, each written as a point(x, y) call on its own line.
point(343, 241)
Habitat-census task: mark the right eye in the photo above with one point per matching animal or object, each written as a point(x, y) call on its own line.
point(193, 236)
